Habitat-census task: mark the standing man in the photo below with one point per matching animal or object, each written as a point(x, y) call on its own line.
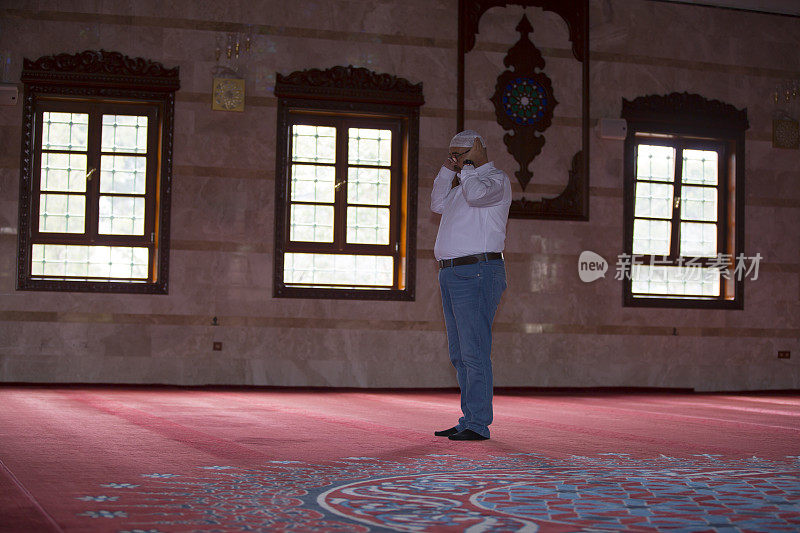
point(473, 198)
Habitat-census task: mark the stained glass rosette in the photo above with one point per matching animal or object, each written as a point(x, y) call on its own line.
point(525, 101)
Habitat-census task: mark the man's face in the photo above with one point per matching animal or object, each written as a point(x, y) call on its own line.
point(459, 153)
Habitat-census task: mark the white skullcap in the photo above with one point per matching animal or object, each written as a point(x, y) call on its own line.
point(466, 139)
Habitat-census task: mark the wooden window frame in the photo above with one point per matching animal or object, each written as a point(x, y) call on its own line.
point(350, 97)
point(342, 123)
point(98, 83)
point(688, 121)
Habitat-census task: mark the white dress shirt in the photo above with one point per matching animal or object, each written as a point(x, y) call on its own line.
point(474, 214)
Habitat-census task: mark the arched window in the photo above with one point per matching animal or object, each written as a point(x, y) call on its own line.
point(346, 185)
point(684, 203)
point(95, 175)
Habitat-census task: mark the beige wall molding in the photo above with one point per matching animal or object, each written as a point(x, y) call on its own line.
point(386, 325)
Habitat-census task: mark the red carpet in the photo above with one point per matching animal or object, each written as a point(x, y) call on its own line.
point(167, 459)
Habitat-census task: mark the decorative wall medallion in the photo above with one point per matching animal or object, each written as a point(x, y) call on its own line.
point(517, 107)
point(785, 134)
point(228, 94)
point(523, 101)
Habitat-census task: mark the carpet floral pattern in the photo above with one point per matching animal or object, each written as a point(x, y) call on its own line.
point(442, 492)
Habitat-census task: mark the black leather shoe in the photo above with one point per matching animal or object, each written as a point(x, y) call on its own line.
point(467, 434)
point(446, 432)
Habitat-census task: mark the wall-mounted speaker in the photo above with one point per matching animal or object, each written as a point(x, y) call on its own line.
point(612, 128)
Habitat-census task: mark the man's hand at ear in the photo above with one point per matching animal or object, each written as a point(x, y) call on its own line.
point(477, 154)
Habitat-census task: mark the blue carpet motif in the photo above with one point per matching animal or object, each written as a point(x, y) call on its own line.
point(513, 492)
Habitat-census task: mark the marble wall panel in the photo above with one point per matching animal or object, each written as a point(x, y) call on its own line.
point(764, 185)
point(551, 328)
point(10, 199)
point(30, 338)
point(710, 35)
point(761, 156)
point(605, 167)
point(223, 209)
point(775, 246)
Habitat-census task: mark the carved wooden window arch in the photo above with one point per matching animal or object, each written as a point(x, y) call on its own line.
point(110, 118)
point(334, 107)
point(573, 202)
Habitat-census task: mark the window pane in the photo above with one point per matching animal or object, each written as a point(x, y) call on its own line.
point(698, 240)
point(311, 223)
point(699, 203)
point(369, 147)
point(313, 183)
point(89, 261)
point(313, 143)
point(65, 131)
point(683, 281)
point(63, 172)
point(655, 163)
point(653, 200)
point(62, 213)
point(700, 166)
point(651, 237)
point(123, 174)
point(369, 186)
point(125, 133)
point(336, 269)
point(368, 225)
point(121, 215)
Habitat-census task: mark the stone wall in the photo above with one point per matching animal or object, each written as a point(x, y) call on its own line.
point(551, 330)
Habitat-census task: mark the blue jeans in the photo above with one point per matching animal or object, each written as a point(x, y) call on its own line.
point(470, 295)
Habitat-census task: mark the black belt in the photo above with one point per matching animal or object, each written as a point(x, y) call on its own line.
point(469, 259)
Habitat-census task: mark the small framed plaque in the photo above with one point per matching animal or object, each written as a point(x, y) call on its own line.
point(785, 134)
point(228, 94)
